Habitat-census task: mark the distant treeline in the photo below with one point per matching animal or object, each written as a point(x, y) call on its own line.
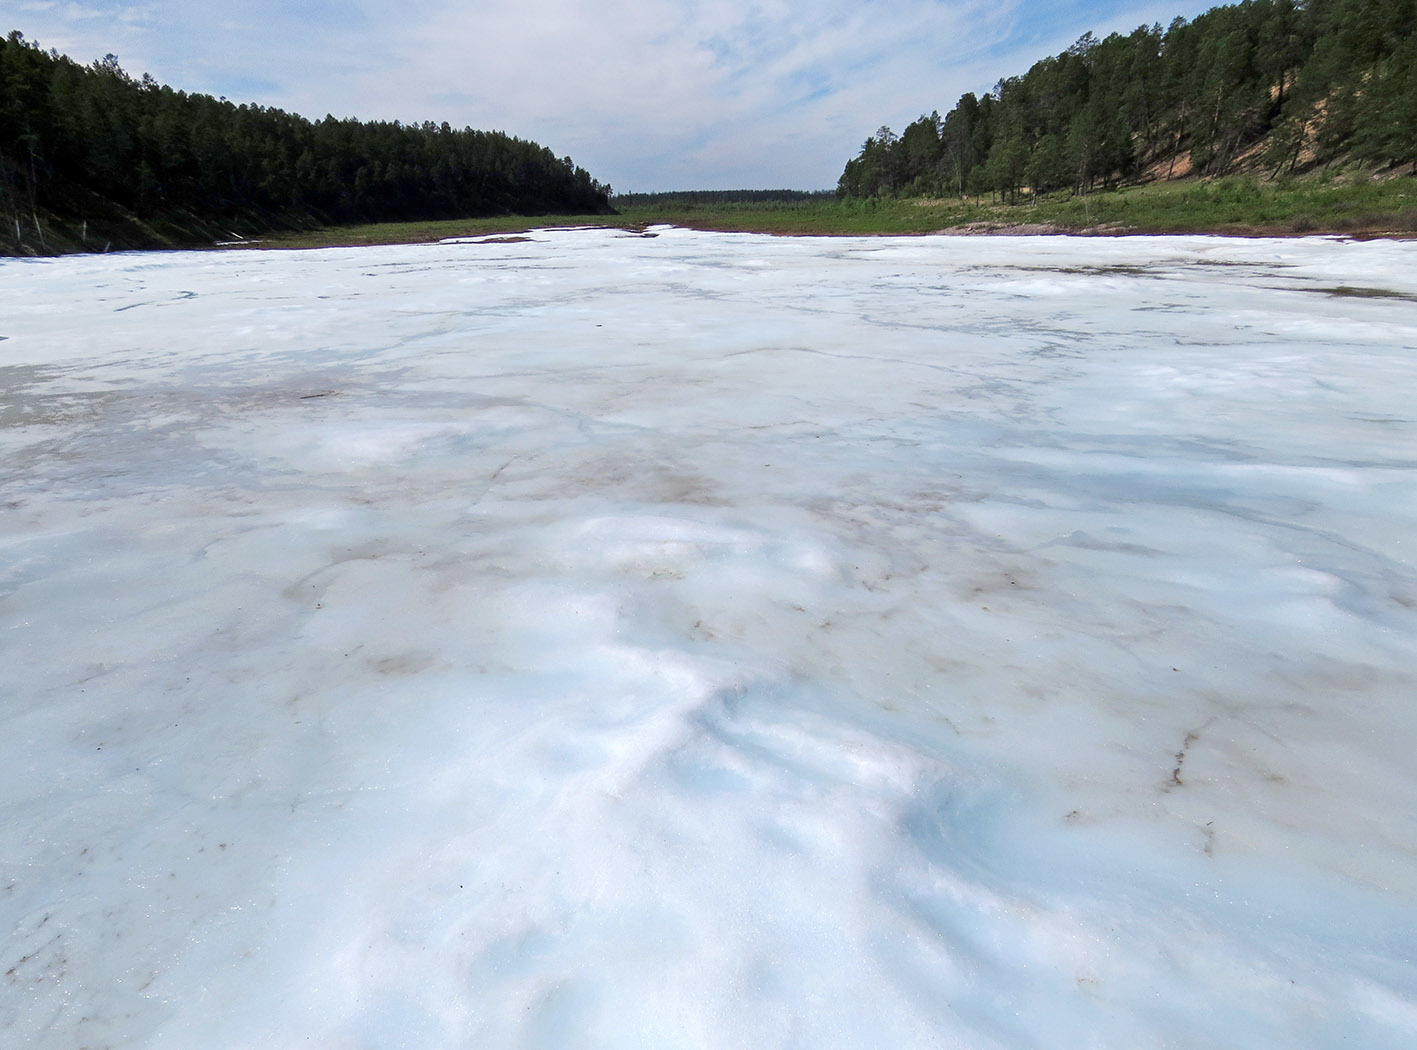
point(1272, 86)
point(81, 143)
point(681, 197)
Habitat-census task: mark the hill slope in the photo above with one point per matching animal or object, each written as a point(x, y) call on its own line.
point(91, 157)
point(1271, 86)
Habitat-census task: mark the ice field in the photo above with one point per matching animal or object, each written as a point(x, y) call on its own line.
point(711, 641)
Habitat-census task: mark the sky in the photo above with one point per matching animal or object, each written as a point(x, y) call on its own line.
point(647, 95)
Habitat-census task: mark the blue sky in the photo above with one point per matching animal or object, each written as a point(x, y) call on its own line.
point(646, 94)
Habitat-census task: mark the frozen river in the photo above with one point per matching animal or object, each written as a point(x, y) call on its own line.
point(711, 641)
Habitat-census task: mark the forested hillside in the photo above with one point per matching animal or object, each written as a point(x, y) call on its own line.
point(1270, 86)
point(90, 156)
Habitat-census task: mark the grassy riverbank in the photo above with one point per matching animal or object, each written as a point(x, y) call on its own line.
point(1241, 206)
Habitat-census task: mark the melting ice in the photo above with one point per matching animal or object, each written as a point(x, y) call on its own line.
point(711, 641)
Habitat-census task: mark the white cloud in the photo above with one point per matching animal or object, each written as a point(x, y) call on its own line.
point(718, 93)
point(646, 94)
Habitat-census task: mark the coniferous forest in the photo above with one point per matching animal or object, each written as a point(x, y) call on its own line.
point(1271, 87)
point(92, 157)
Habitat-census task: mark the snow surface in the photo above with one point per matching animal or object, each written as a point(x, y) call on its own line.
point(711, 641)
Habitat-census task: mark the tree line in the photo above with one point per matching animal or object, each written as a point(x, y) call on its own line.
point(79, 141)
point(1269, 85)
point(697, 197)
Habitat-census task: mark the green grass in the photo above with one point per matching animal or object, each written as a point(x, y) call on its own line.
point(814, 217)
point(1240, 205)
point(1246, 205)
point(436, 230)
